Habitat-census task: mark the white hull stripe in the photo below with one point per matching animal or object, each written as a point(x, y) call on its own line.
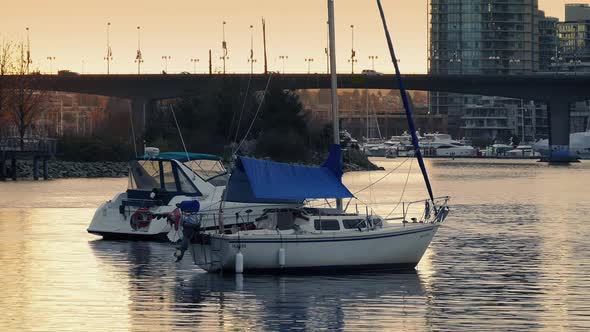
point(301, 240)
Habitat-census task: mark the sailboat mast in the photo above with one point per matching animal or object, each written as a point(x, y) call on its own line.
point(334, 81)
point(404, 95)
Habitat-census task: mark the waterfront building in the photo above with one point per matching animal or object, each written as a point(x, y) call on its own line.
point(487, 38)
point(370, 113)
point(548, 41)
point(68, 114)
point(573, 56)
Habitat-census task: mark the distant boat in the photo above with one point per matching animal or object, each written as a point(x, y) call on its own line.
point(435, 145)
point(443, 145)
point(579, 145)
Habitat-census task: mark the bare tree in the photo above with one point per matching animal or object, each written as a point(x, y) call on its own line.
point(25, 102)
point(6, 62)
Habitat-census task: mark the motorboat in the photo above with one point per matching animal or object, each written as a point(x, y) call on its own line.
point(379, 149)
point(443, 145)
point(305, 239)
point(435, 145)
point(579, 145)
point(160, 181)
point(522, 151)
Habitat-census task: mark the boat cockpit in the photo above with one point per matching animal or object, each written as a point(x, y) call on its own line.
point(156, 179)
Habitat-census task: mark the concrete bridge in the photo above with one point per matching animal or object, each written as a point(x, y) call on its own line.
point(557, 90)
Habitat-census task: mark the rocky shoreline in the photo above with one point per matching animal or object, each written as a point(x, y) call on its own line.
point(59, 169)
point(70, 169)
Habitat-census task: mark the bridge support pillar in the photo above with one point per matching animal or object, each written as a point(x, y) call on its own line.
point(45, 169)
point(13, 166)
point(559, 131)
point(36, 168)
point(139, 108)
point(2, 166)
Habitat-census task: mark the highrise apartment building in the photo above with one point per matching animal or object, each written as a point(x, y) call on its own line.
point(487, 37)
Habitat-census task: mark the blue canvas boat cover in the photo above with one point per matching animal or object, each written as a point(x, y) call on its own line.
point(255, 180)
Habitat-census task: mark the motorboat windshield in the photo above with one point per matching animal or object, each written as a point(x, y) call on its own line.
point(209, 170)
point(208, 167)
point(161, 175)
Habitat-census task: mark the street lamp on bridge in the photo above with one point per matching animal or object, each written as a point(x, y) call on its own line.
point(138, 56)
point(309, 61)
point(510, 62)
point(352, 59)
point(283, 58)
point(224, 57)
point(166, 58)
point(194, 61)
point(251, 60)
point(109, 56)
point(51, 59)
point(457, 59)
point(373, 58)
point(28, 60)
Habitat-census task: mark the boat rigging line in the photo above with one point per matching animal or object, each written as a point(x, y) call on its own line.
point(401, 196)
point(255, 115)
point(179, 132)
point(404, 95)
point(241, 112)
point(133, 132)
point(381, 178)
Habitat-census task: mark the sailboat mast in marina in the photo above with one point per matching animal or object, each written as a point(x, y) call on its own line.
point(334, 81)
point(309, 239)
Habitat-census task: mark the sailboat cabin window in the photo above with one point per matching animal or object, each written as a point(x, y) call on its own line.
point(326, 225)
point(354, 223)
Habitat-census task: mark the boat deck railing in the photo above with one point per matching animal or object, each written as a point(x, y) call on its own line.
point(432, 211)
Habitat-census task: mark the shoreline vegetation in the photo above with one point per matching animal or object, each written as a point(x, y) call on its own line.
point(271, 126)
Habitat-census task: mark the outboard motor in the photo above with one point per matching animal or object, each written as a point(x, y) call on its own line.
point(191, 225)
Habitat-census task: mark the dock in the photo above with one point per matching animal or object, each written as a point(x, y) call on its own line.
point(12, 149)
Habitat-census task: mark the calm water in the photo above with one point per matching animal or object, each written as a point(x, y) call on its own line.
point(513, 255)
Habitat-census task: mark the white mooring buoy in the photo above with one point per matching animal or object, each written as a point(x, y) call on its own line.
point(239, 262)
point(282, 257)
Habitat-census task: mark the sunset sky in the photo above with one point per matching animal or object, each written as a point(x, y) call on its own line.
point(74, 32)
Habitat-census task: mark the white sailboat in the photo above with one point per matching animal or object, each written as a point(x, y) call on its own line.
point(305, 240)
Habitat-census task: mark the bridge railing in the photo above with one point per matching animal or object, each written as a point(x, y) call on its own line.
point(42, 145)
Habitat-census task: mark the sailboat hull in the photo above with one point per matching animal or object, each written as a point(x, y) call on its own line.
point(387, 248)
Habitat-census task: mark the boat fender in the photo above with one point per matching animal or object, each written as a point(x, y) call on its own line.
point(282, 257)
point(239, 262)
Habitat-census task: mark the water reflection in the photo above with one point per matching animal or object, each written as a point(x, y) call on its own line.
point(307, 303)
point(183, 297)
point(512, 256)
